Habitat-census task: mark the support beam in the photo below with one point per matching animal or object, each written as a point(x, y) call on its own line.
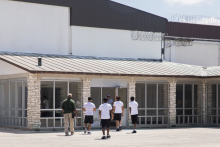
point(131, 92)
point(172, 103)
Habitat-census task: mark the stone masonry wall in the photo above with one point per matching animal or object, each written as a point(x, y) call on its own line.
point(209, 103)
point(199, 98)
point(131, 92)
point(33, 102)
point(172, 106)
point(165, 97)
point(86, 92)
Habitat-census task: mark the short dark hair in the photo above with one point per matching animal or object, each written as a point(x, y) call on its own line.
point(105, 99)
point(89, 98)
point(132, 98)
point(118, 97)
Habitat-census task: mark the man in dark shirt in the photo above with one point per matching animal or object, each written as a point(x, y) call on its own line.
point(69, 109)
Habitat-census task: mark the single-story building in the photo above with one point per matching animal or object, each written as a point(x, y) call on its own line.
point(169, 94)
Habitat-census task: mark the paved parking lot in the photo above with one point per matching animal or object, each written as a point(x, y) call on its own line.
point(181, 137)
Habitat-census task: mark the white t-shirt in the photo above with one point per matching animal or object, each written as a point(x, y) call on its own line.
point(118, 105)
point(105, 108)
point(46, 102)
point(89, 106)
point(134, 107)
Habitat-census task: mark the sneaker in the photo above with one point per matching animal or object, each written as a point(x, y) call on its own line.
point(134, 131)
point(117, 129)
point(103, 137)
point(108, 136)
point(85, 130)
point(67, 134)
point(120, 128)
point(89, 133)
point(72, 133)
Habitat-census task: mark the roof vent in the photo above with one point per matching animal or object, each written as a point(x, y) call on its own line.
point(39, 61)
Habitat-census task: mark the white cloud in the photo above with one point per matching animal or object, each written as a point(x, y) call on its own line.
point(188, 2)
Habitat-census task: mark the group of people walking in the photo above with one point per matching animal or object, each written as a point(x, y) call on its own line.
point(108, 111)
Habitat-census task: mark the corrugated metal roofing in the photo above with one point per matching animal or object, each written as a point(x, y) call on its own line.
point(92, 65)
point(193, 30)
point(108, 14)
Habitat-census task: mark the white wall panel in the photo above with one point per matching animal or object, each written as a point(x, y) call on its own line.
point(33, 28)
point(201, 53)
point(88, 41)
point(9, 69)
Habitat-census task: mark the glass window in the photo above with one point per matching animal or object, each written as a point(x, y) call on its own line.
point(19, 94)
point(163, 95)
point(188, 96)
point(179, 96)
point(211, 100)
point(96, 96)
point(76, 90)
point(110, 91)
point(140, 95)
point(219, 96)
point(60, 94)
point(26, 91)
point(151, 95)
point(12, 95)
point(1, 99)
point(6, 95)
point(122, 92)
point(46, 95)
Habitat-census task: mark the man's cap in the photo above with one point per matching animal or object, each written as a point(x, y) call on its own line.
point(69, 94)
point(108, 95)
point(105, 99)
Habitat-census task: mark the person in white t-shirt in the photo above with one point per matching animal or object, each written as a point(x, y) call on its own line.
point(118, 110)
point(104, 113)
point(133, 106)
point(89, 107)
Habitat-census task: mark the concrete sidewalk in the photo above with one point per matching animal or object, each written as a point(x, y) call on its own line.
point(181, 137)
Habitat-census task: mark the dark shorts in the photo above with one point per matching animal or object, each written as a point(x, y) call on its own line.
point(134, 119)
point(105, 123)
point(117, 116)
point(88, 119)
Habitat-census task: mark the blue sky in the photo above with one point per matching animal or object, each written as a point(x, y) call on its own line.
point(165, 7)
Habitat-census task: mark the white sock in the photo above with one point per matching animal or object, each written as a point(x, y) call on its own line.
point(134, 129)
point(103, 135)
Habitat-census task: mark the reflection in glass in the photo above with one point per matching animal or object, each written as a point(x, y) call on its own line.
point(46, 95)
point(76, 89)
point(163, 95)
point(12, 95)
point(122, 92)
point(151, 95)
point(179, 96)
point(46, 113)
point(96, 96)
point(140, 95)
point(6, 95)
point(19, 94)
point(188, 96)
point(60, 93)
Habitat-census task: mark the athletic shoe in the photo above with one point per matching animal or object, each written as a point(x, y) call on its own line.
point(120, 128)
point(103, 137)
point(85, 130)
point(72, 133)
point(67, 134)
point(89, 133)
point(108, 136)
point(134, 131)
point(117, 130)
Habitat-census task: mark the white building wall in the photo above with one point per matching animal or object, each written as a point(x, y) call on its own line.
point(201, 53)
point(34, 28)
point(10, 69)
point(99, 42)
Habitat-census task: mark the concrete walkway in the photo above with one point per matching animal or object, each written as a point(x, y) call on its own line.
point(181, 137)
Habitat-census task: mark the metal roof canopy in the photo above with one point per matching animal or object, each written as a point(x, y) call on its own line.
point(108, 14)
point(70, 64)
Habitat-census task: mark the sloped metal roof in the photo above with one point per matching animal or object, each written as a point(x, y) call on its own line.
point(93, 65)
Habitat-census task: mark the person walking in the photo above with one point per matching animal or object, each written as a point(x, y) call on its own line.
point(89, 107)
point(110, 101)
point(133, 107)
point(69, 111)
point(118, 110)
point(104, 113)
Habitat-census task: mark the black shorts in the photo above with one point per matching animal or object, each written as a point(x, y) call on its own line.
point(88, 119)
point(134, 119)
point(105, 123)
point(117, 116)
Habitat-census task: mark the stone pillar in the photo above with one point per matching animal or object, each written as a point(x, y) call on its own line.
point(165, 97)
point(131, 92)
point(86, 92)
point(199, 97)
point(172, 103)
point(33, 102)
